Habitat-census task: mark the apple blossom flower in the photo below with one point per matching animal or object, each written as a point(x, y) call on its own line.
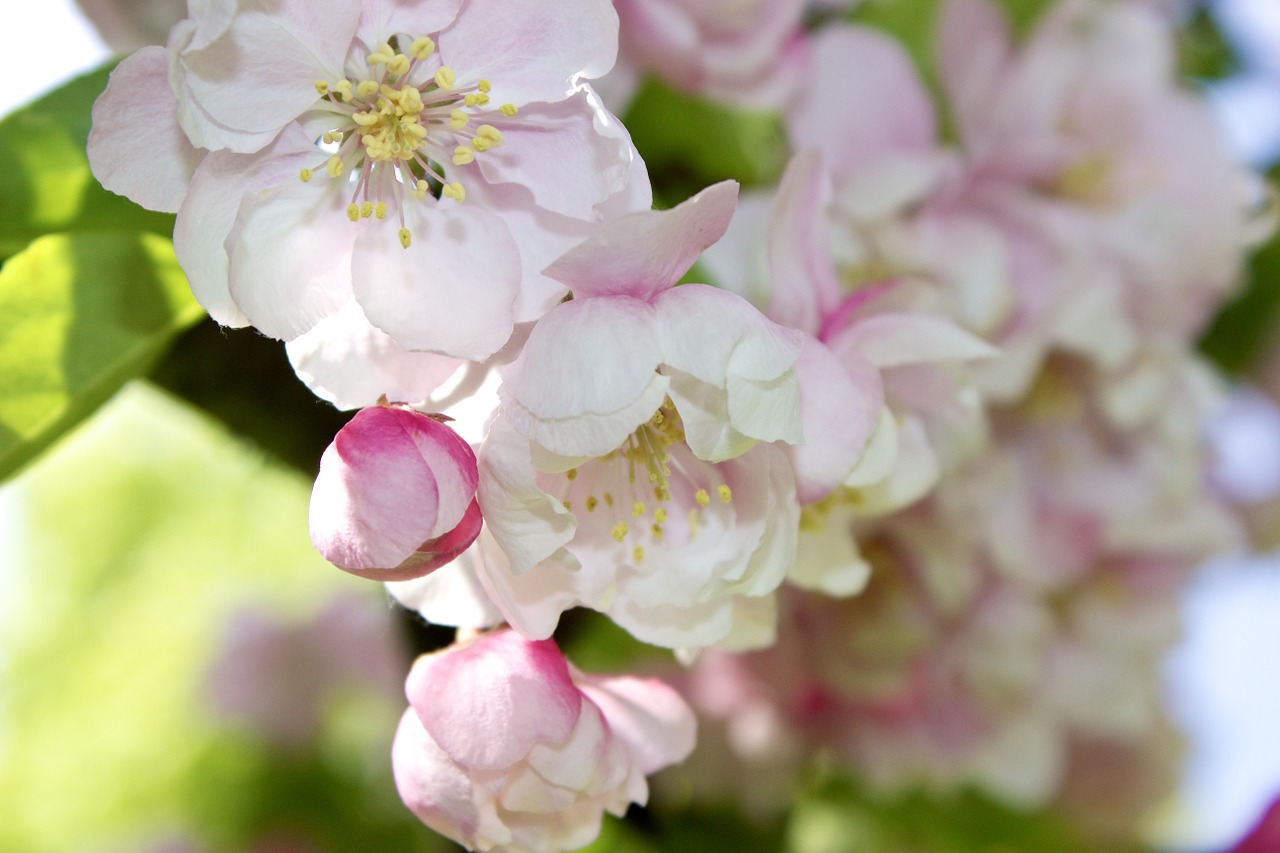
point(278, 676)
point(321, 161)
point(630, 468)
point(506, 746)
point(395, 496)
point(743, 52)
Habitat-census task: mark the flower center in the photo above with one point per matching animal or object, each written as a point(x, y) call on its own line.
point(397, 128)
point(635, 494)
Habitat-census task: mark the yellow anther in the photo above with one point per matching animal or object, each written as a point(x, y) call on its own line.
point(482, 99)
point(592, 503)
point(404, 237)
point(491, 133)
point(471, 100)
point(420, 190)
point(380, 210)
point(637, 509)
point(508, 110)
point(483, 85)
point(343, 88)
point(725, 493)
point(638, 554)
point(702, 497)
point(331, 136)
point(366, 118)
point(399, 64)
point(322, 87)
point(620, 531)
point(608, 499)
point(567, 505)
point(365, 88)
point(411, 100)
point(458, 119)
point(656, 530)
point(660, 515)
point(353, 212)
point(334, 166)
point(455, 191)
point(382, 55)
point(414, 129)
point(422, 48)
point(571, 474)
point(305, 175)
point(366, 210)
point(445, 78)
point(481, 144)
point(661, 494)
point(462, 155)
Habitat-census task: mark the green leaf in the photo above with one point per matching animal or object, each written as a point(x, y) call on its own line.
point(689, 142)
point(80, 315)
point(46, 186)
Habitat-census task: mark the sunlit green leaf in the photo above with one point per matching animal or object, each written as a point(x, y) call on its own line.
point(46, 186)
point(689, 142)
point(80, 315)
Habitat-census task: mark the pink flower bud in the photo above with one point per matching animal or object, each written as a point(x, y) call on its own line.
point(395, 497)
point(505, 745)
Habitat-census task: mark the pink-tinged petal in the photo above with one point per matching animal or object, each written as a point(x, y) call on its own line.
point(382, 19)
point(488, 703)
point(711, 333)
point(720, 340)
point(589, 359)
point(452, 595)
point(644, 253)
point(531, 602)
point(451, 291)
point(351, 363)
point(892, 339)
point(827, 560)
point(395, 495)
point(209, 211)
point(572, 154)
point(915, 472)
point(1264, 837)
point(868, 101)
point(569, 440)
point(290, 254)
point(649, 716)
point(528, 524)
point(531, 51)
point(840, 404)
point(260, 74)
point(136, 148)
point(572, 766)
point(974, 49)
point(431, 784)
point(879, 455)
point(805, 285)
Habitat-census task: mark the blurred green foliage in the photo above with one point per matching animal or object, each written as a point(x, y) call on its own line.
point(139, 537)
point(689, 142)
point(80, 315)
point(46, 186)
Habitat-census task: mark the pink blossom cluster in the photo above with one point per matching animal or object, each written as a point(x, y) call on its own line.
point(915, 485)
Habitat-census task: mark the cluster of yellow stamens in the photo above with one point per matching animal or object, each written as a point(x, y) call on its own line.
point(647, 463)
point(398, 134)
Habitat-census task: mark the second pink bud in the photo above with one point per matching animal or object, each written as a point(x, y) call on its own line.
point(395, 496)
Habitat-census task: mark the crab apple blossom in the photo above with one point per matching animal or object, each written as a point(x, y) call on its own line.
point(395, 496)
point(881, 380)
point(506, 746)
point(743, 52)
point(408, 167)
point(630, 468)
